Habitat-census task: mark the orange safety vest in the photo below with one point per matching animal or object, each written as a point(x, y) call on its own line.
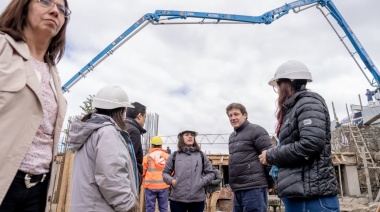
point(152, 170)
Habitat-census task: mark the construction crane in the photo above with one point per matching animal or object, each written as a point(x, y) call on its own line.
point(164, 17)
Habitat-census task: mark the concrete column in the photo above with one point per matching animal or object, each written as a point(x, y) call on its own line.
point(351, 180)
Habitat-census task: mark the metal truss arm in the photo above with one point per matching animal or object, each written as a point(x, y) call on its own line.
point(354, 41)
point(164, 16)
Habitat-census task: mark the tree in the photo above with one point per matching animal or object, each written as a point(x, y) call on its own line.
point(87, 105)
point(86, 108)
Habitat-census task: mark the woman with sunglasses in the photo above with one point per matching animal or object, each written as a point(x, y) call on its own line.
point(306, 178)
point(32, 107)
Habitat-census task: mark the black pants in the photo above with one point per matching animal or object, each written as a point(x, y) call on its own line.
point(187, 207)
point(20, 198)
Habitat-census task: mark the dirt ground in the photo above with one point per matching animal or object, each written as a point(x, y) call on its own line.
point(361, 204)
point(351, 204)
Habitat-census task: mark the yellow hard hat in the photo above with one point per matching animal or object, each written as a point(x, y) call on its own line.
point(156, 140)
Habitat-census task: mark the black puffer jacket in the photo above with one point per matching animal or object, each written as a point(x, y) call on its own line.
point(303, 158)
point(245, 145)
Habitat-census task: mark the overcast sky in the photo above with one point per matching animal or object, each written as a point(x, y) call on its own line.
point(188, 74)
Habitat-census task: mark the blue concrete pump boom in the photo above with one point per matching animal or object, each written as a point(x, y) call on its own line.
point(162, 17)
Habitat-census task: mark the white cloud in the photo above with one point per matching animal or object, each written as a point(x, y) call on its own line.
point(214, 64)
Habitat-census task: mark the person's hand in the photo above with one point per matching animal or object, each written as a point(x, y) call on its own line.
point(173, 182)
point(262, 158)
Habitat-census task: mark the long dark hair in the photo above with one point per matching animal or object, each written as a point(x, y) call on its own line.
point(12, 22)
point(116, 114)
point(181, 143)
point(286, 89)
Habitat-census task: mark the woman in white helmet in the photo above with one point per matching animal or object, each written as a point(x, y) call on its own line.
point(305, 176)
point(105, 169)
point(188, 171)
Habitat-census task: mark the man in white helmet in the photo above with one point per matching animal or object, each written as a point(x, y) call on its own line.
point(302, 165)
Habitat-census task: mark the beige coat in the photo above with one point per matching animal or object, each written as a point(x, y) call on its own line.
point(20, 108)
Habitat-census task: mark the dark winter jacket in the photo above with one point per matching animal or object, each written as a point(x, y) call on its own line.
point(245, 145)
point(303, 158)
point(135, 131)
point(216, 182)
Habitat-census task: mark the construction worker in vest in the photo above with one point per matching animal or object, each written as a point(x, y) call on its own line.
point(155, 187)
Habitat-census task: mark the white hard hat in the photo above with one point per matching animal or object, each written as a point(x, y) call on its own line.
point(291, 70)
point(183, 130)
point(111, 97)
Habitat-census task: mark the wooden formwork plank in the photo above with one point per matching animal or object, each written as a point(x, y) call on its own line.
point(69, 177)
point(142, 199)
point(56, 174)
point(63, 186)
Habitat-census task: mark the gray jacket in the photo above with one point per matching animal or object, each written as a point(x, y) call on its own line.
point(103, 176)
point(190, 181)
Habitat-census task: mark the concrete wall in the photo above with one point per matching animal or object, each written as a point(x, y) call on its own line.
point(350, 181)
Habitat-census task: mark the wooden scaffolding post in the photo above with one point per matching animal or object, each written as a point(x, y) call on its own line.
point(340, 181)
point(369, 187)
point(378, 208)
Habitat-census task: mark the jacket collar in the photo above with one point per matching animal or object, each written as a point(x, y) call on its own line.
point(20, 47)
point(188, 150)
point(246, 122)
point(289, 103)
point(137, 125)
point(23, 50)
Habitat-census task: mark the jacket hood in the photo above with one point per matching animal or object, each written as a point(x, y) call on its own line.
point(134, 123)
point(80, 131)
point(156, 155)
